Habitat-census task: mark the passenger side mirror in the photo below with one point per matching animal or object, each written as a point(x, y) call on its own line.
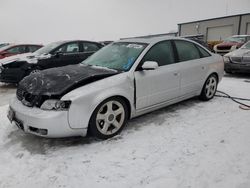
point(149, 65)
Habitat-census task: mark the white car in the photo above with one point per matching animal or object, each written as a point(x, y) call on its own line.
point(123, 80)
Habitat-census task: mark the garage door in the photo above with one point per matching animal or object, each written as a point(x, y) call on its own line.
point(219, 33)
point(248, 29)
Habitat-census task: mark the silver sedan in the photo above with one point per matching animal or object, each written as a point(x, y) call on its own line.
point(123, 80)
point(238, 61)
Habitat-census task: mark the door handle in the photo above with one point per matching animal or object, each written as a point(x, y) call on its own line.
point(203, 67)
point(176, 74)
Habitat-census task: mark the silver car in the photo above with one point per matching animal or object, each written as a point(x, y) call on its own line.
point(238, 61)
point(123, 80)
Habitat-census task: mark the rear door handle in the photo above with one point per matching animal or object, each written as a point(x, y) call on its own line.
point(176, 74)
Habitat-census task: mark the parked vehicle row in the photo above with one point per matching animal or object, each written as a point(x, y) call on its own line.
point(121, 81)
point(57, 54)
point(230, 44)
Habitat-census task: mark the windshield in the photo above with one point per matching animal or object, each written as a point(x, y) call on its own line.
point(235, 39)
point(48, 48)
point(246, 46)
point(119, 56)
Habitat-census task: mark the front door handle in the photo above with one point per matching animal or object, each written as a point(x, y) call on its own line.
point(176, 74)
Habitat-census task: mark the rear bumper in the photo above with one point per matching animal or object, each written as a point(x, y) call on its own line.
point(52, 124)
point(237, 67)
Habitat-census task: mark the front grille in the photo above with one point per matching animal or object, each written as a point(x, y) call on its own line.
point(19, 94)
point(236, 59)
point(246, 59)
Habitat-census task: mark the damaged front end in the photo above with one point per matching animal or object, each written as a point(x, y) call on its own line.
point(45, 89)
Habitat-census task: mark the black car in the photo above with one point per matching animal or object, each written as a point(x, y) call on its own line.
point(56, 54)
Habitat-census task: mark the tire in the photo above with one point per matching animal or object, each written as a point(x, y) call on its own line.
point(109, 118)
point(209, 88)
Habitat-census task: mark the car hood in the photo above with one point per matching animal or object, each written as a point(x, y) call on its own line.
point(14, 58)
point(31, 58)
point(59, 81)
point(239, 53)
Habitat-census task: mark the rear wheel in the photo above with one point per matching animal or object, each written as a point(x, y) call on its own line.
point(209, 88)
point(109, 118)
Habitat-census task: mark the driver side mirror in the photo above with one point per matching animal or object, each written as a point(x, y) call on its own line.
point(58, 54)
point(150, 65)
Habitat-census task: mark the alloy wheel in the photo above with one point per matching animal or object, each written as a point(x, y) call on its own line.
point(110, 117)
point(210, 87)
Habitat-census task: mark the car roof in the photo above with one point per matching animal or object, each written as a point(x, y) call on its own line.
point(151, 40)
point(67, 41)
point(241, 36)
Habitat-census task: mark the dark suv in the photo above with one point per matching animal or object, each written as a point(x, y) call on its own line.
point(56, 54)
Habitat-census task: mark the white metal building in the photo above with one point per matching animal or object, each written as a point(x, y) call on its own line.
point(217, 29)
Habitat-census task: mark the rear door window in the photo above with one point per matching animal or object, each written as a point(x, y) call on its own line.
point(32, 48)
point(186, 50)
point(69, 48)
point(90, 47)
point(162, 53)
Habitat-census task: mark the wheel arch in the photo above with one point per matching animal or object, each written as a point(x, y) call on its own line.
point(125, 99)
point(216, 74)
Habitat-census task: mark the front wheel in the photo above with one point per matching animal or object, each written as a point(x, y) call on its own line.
point(209, 88)
point(109, 118)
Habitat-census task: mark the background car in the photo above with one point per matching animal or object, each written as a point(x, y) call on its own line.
point(105, 43)
point(238, 61)
point(3, 44)
point(231, 43)
point(123, 80)
point(13, 49)
point(56, 54)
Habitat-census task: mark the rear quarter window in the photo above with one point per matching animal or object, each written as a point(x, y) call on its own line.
point(33, 48)
point(203, 52)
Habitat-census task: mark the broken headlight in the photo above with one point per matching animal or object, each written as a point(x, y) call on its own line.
point(53, 104)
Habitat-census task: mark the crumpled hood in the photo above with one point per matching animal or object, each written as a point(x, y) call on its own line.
point(58, 81)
